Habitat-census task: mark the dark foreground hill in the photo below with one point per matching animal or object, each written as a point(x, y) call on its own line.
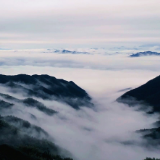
point(147, 97)
point(48, 88)
point(21, 140)
point(34, 97)
point(147, 94)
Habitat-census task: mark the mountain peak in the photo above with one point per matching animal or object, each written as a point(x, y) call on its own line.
point(47, 87)
point(148, 93)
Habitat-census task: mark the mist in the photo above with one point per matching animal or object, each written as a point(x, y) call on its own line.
point(105, 131)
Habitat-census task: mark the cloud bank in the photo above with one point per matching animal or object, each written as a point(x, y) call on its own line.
point(104, 132)
point(71, 23)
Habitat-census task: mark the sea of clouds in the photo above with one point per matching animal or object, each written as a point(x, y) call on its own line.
point(100, 133)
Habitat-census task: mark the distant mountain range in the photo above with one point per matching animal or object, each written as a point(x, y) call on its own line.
point(146, 53)
point(19, 139)
point(64, 51)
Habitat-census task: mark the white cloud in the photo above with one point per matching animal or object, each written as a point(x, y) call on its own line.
point(82, 23)
point(90, 134)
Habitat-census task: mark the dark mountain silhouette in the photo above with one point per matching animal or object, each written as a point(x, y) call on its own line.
point(147, 94)
point(151, 136)
point(146, 53)
point(47, 87)
point(25, 126)
point(8, 153)
point(5, 105)
point(20, 139)
point(26, 153)
point(28, 102)
point(40, 106)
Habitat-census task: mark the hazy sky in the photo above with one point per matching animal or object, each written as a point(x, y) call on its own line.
point(72, 23)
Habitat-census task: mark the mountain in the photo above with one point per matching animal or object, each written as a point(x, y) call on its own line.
point(148, 97)
point(48, 88)
point(146, 53)
point(5, 105)
point(147, 94)
point(18, 142)
point(33, 98)
point(64, 51)
point(10, 101)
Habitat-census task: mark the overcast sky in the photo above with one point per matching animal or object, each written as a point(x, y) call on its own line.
point(72, 23)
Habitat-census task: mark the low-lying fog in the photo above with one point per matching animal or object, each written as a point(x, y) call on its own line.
point(100, 133)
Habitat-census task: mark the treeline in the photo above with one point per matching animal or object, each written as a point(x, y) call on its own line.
point(26, 153)
point(148, 158)
point(16, 145)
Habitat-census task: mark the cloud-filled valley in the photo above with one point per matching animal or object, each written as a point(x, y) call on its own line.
point(104, 130)
point(79, 80)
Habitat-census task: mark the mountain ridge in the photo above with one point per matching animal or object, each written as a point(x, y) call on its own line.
point(147, 93)
point(47, 87)
point(147, 97)
point(145, 53)
point(22, 133)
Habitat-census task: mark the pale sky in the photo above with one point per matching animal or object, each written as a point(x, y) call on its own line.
point(70, 23)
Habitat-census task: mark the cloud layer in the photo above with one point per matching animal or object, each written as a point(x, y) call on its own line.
point(90, 134)
point(29, 24)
